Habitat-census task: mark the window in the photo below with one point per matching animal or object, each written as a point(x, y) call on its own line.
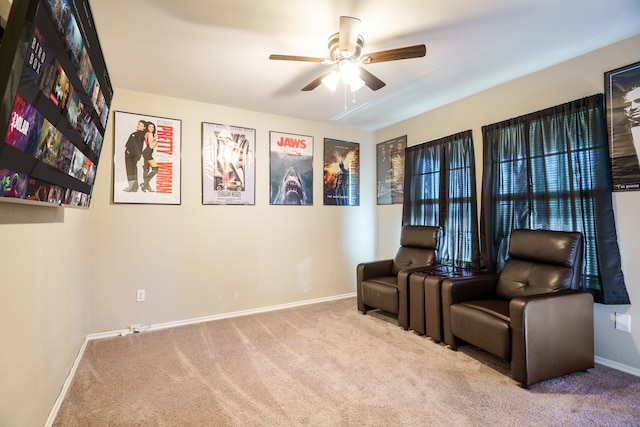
point(440, 190)
point(551, 170)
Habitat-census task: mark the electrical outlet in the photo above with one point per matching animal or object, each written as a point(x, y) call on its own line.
point(140, 295)
point(623, 322)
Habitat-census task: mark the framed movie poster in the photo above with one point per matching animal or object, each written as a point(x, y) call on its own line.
point(341, 184)
point(291, 169)
point(390, 170)
point(146, 159)
point(228, 165)
point(622, 93)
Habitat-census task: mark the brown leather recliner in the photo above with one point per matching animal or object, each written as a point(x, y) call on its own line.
point(532, 313)
point(384, 284)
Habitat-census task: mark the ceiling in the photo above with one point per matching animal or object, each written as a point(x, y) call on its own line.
point(216, 51)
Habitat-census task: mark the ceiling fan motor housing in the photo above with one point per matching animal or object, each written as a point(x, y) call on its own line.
point(336, 54)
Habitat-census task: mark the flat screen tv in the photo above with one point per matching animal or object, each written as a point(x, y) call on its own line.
point(55, 96)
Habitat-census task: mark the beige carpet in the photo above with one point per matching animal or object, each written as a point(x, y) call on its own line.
point(324, 365)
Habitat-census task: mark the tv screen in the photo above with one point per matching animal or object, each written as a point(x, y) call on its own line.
point(55, 98)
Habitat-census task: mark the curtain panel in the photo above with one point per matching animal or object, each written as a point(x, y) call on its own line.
point(440, 190)
point(551, 170)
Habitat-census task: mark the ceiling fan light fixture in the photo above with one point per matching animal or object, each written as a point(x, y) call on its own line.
point(350, 74)
point(331, 80)
point(356, 84)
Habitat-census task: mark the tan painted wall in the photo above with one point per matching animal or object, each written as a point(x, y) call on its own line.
point(43, 306)
point(199, 260)
point(5, 7)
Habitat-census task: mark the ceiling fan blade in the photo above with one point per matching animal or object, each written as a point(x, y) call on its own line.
point(315, 82)
point(416, 51)
point(348, 35)
point(370, 80)
point(296, 58)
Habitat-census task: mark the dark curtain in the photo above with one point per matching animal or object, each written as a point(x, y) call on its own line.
point(551, 170)
point(440, 190)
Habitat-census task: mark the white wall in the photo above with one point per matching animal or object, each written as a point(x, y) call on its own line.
point(580, 77)
point(198, 260)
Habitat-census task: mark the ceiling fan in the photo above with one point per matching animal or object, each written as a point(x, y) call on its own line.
point(345, 51)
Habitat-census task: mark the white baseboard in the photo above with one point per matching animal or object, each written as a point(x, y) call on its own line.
point(618, 366)
point(246, 312)
point(65, 387)
point(109, 334)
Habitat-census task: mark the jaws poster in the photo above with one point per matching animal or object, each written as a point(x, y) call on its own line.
point(291, 173)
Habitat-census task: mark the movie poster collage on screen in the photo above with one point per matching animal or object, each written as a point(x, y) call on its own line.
point(69, 140)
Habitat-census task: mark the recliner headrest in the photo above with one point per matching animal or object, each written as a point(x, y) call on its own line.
point(419, 236)
point(546, 246)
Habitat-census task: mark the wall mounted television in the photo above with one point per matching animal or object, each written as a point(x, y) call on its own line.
point(55, 96)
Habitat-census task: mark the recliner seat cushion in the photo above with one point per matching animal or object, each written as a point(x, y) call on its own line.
point(484, 324)
point(381, 293)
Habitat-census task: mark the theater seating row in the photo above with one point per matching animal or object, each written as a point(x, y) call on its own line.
point(532, 313)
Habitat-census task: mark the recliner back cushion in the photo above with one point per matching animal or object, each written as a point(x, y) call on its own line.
point(541, 261)
point(418, 247)
point(408, 257)
point(546, 246)
point(419, 236)
point(522, 277)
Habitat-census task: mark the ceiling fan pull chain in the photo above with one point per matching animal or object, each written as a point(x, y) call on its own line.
point(344, 85)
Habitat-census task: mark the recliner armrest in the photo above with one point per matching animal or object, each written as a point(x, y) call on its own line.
point(367, 270)
point(458, 289)
point(518, 304)
point(552, 335)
